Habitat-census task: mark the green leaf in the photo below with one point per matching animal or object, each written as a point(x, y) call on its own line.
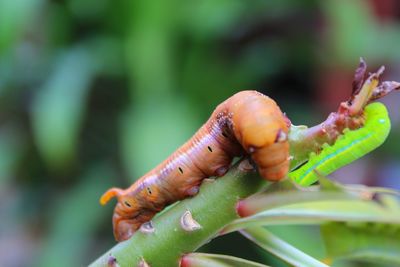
point(318, 212)
point(280, 248)
point(257, 204)
point(214, 260)
point(376, 243)
point(287, 192)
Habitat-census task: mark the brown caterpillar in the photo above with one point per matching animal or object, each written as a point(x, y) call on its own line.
point(246, 123)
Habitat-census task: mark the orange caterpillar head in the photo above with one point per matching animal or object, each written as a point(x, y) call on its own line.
point(130, 212)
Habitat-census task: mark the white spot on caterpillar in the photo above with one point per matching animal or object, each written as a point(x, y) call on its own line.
point(382, 120)
point(147, 228)
point(188, 223)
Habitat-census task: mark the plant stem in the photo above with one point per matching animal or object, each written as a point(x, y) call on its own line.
point(212, 208)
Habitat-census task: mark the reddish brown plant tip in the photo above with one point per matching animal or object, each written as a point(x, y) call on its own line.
point(385, 88)
point(359, 76)
point(361, 97)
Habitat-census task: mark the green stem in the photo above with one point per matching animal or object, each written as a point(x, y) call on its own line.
point(212, 208)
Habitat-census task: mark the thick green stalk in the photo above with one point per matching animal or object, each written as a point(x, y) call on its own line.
point(212, 208)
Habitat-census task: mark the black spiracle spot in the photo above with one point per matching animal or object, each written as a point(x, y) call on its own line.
point(209, 149)
point(180, 170)
point(148, 190)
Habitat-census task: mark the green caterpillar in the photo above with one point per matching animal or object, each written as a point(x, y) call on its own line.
point(348, 147)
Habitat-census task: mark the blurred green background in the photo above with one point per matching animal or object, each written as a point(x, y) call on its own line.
point(95, 93)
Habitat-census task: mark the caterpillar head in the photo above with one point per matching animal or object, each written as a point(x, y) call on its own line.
point(129, 213)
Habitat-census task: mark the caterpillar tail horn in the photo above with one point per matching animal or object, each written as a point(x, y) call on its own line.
point(109, 194)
